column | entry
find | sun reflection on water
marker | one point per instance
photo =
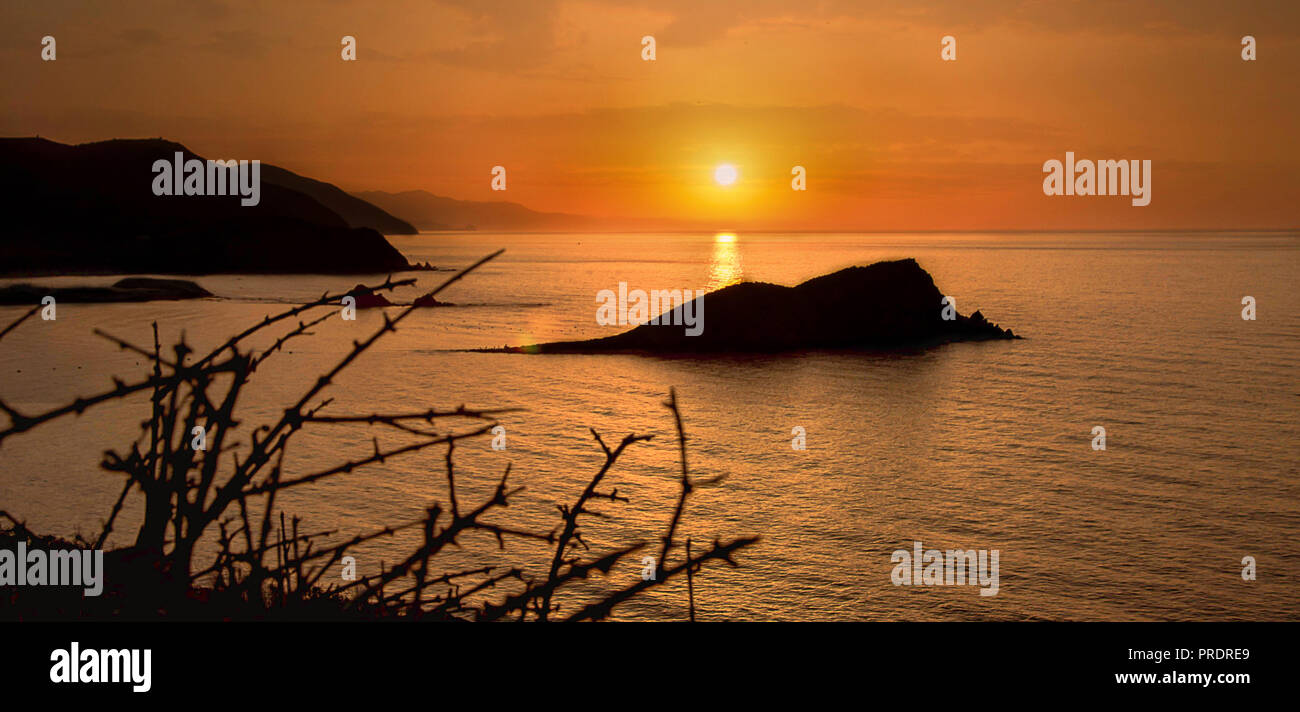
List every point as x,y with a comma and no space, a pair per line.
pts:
726,267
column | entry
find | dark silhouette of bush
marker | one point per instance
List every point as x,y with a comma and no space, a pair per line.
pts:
267,567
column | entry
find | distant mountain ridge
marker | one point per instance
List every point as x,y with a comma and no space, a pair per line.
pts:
89,208
356,211
434,212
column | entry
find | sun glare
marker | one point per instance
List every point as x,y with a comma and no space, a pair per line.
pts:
725,174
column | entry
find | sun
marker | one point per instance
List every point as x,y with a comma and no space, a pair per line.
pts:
725,174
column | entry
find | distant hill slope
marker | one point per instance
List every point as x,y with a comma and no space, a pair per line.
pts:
434,212
356,211
91,208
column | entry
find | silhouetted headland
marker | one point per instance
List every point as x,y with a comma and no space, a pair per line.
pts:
131,289
887,305
90,208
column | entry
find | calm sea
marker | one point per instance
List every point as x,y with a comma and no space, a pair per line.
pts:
965,446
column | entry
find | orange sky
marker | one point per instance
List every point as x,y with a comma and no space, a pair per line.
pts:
892,137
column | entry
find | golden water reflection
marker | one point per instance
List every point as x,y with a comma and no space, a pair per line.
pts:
726,266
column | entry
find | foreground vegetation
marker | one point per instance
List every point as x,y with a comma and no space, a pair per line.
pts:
267,566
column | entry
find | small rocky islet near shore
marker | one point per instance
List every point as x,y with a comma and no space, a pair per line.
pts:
367,298
131,289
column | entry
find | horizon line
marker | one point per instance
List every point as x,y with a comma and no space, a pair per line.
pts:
852,231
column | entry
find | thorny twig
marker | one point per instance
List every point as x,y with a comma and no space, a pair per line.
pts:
187,491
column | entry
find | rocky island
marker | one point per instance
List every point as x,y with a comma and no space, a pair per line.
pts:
887,305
